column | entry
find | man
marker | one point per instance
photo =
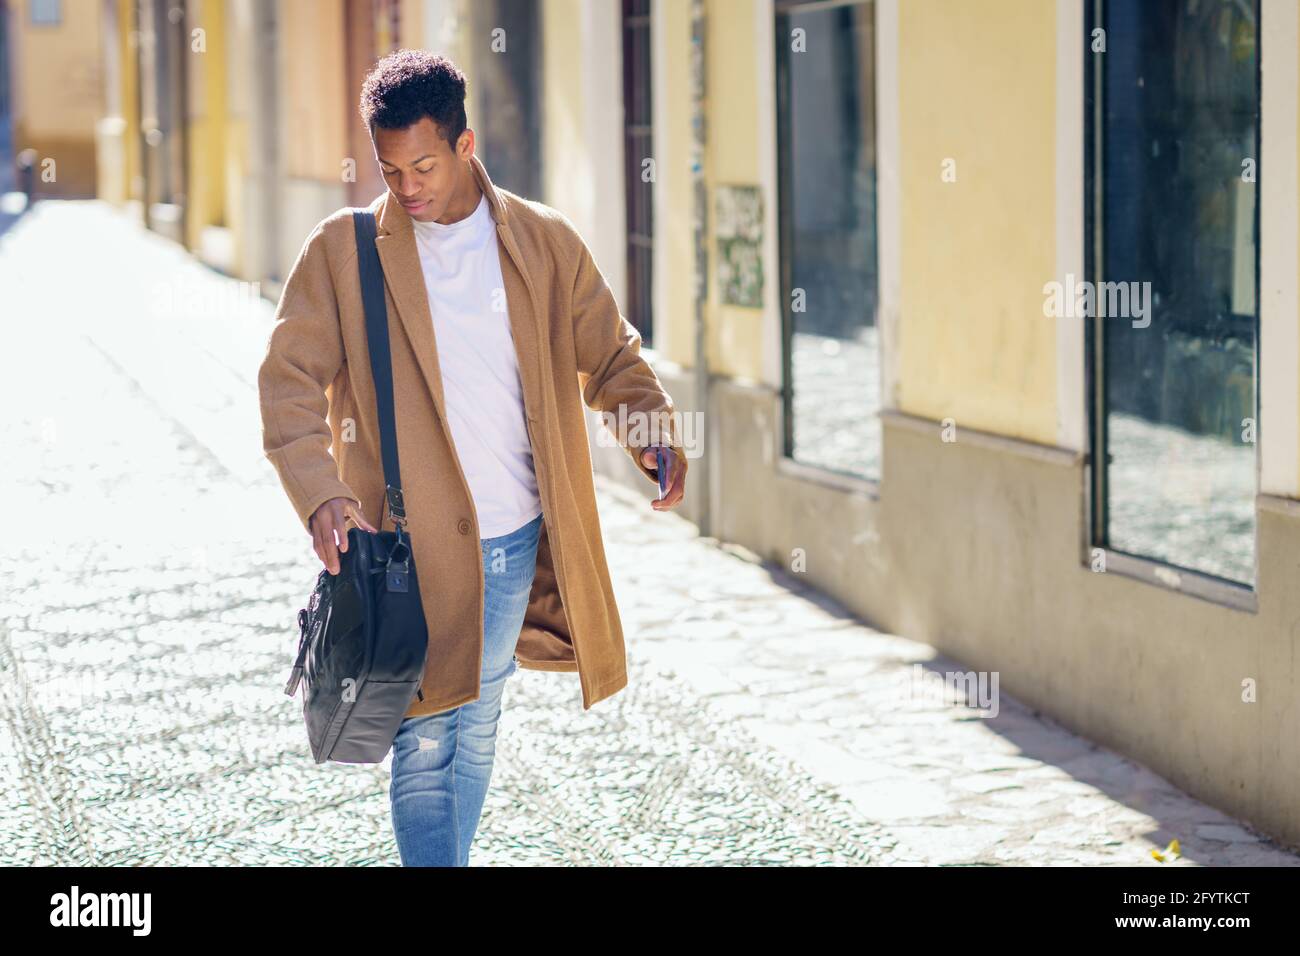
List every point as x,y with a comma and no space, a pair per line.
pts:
501,328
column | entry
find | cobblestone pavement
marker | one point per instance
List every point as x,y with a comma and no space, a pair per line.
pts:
152,569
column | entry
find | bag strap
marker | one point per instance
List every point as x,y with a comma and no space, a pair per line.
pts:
381,365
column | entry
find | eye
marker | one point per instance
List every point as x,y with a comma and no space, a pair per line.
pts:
427,170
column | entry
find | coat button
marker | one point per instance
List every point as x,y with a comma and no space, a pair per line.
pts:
464,526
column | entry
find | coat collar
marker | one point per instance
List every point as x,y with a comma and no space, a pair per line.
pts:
400,257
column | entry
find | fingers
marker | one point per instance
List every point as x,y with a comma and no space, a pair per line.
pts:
361,522
323,543
651,460
677,486
329,549
316,540
329,529
338,511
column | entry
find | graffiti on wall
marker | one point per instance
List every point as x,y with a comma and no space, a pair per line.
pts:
739,233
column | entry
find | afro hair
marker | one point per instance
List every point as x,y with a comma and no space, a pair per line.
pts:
408,85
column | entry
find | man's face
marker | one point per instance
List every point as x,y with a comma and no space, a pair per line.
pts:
421,171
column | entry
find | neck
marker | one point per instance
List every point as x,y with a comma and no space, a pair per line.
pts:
466,199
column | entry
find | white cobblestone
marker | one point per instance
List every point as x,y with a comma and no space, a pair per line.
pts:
149,581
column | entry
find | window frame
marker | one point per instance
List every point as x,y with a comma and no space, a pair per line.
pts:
1165,574
832,477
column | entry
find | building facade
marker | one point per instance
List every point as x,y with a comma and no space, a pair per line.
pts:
50,96
983,317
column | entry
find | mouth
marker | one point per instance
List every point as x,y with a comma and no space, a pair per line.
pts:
413,206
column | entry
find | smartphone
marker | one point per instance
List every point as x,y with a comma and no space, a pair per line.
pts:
662,459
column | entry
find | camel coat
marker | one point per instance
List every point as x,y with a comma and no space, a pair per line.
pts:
320,430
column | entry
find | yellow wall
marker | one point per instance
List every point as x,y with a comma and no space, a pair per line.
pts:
413,29
241,44
57,88
977,84
117,147
735,333
134,186
58,92
569,157
207,154
674,231
731,157
315,99
566,169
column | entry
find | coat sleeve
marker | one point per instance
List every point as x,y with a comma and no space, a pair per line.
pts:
612,373
304,355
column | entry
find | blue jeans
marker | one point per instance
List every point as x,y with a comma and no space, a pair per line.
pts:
442,762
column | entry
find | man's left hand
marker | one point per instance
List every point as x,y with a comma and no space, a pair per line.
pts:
676,480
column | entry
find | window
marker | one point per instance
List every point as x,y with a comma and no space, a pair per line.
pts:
1173,220
826,168
46,13
507,120
638,146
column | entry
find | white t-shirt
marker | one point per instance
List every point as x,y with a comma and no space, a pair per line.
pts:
480,370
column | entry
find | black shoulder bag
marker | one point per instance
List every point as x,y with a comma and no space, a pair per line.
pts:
363,636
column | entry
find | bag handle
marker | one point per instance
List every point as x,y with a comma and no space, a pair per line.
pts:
381,365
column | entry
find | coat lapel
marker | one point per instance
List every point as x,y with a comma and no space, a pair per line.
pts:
395,240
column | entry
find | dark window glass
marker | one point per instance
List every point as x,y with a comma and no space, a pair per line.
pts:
1173,154
638,146
827,182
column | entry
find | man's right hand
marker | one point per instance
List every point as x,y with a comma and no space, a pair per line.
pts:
329,531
